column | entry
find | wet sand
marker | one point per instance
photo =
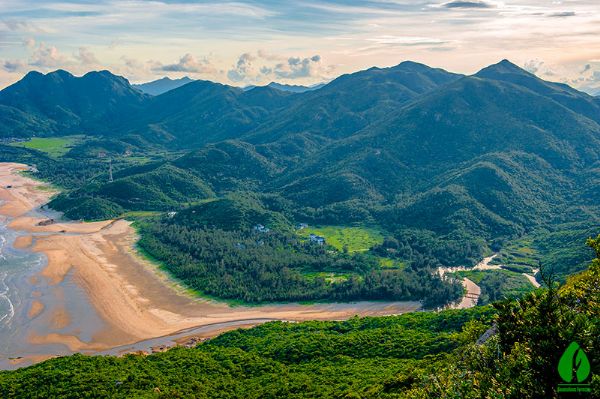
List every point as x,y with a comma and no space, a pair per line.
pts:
134,300
36,308
23,242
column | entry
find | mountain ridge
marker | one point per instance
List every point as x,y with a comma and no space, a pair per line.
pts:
162,85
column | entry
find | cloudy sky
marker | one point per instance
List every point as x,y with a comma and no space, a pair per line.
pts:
300,42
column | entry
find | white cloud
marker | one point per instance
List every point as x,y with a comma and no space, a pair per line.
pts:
86,57
561,14
244,69
259,68
299,68
187,63
533,66
29,42
48,57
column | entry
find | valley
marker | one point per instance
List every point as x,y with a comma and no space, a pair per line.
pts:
133,300
439,208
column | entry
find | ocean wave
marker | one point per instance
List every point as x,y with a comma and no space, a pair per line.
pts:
2,245
4,290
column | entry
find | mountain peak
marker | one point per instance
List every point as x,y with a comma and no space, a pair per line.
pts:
60,72
162,85
104,73
411,66
503,67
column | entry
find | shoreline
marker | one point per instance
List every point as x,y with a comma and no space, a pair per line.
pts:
134,299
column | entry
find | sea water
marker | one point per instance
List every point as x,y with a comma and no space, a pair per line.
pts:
20,285
16,267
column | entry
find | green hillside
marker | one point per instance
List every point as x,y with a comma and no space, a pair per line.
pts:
451,168
417,355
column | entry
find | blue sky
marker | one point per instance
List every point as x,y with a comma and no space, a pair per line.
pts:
254,42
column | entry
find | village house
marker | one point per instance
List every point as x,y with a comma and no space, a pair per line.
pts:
317,239
261,229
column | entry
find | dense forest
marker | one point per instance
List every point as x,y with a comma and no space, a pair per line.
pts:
510,349
447,168
261,267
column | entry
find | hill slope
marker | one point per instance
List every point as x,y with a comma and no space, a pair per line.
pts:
512,349
59,102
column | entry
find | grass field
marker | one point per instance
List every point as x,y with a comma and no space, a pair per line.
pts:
355,239
520,253
330,277
53,146
387,263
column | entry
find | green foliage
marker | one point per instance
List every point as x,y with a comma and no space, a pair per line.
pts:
162,187
522,360
234,212
87,208
53,146
59,103
255,266
416,355
498,284
350,239
369,357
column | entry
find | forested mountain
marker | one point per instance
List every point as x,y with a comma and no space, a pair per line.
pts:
447,167
202,112
60,103
351,102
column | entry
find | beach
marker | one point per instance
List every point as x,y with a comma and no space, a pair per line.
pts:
119,297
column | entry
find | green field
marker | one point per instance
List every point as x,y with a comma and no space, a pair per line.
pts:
520,253
387,263
53,146
355,239
330,277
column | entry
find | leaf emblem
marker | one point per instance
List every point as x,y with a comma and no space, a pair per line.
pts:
574,363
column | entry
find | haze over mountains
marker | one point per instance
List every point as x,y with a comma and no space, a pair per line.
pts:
163,85
417,150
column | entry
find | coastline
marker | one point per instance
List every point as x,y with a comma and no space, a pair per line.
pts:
134,299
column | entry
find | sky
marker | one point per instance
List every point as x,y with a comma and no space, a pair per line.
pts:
297,42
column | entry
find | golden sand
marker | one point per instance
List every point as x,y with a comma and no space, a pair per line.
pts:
134,301
23,242
36,308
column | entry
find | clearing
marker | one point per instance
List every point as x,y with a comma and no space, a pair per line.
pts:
53,146
355,239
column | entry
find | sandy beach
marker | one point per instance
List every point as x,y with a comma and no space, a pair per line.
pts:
135,301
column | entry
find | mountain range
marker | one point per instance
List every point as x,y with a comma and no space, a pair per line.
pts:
290,88
461,163
160,86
